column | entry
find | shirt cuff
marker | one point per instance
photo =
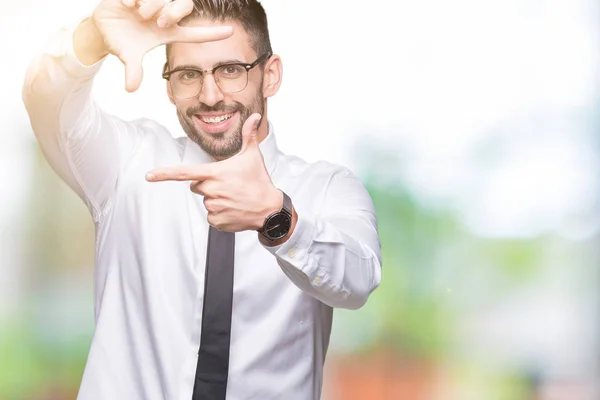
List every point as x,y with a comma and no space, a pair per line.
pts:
62,47
296,250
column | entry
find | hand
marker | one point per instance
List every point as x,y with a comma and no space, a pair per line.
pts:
238,192
129,31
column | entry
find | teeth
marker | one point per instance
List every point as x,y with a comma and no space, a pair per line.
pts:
216,120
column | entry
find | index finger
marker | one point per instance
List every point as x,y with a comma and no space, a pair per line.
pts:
181,173
198,34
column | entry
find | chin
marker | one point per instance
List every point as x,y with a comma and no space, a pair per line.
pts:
219,145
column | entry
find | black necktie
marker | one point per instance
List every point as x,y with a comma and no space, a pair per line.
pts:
213,356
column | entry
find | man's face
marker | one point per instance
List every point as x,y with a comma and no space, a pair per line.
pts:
214,118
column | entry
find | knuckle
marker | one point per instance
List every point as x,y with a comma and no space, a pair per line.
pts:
213,170
210,188
212,220
170,14
178,10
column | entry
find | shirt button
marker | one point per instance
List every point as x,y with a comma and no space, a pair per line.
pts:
317,280
291,253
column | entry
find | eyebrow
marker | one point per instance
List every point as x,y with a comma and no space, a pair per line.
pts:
219,64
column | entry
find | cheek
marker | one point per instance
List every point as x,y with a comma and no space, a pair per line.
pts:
183,106
254,88
251,95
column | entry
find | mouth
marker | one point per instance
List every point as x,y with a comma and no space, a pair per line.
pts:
214,123
215,119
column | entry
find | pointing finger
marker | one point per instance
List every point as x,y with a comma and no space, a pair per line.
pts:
173,12
199,34
182,173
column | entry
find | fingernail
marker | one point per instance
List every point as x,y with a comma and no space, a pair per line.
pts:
150,176
162,22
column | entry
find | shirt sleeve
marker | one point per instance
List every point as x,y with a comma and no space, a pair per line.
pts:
336,256
85,146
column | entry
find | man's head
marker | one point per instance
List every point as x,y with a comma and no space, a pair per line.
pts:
242,72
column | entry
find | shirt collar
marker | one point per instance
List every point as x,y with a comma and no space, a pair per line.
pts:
193,154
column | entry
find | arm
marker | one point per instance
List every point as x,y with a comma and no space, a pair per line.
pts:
335,256
84,145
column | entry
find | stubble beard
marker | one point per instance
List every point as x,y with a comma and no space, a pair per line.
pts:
224,144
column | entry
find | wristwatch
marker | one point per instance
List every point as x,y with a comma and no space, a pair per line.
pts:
278,224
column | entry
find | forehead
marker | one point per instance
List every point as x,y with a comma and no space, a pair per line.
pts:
207,54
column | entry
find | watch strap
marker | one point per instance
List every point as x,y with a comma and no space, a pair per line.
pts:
287,204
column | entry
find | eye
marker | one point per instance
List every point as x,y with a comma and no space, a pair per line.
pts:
188,75
231,71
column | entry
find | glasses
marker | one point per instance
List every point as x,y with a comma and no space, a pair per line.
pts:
186,81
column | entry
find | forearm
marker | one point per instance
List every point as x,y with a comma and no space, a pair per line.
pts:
58,83
78,139
330,265
333,251
88,43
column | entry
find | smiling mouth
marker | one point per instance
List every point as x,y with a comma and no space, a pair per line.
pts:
215,120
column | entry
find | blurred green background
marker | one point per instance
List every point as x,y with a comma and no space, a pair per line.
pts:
474,126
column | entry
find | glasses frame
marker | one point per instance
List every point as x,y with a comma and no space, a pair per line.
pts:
167,74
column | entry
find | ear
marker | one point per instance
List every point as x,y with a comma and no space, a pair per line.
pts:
170,93
273,76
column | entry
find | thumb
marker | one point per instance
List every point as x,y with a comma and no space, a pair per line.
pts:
250,132
133,71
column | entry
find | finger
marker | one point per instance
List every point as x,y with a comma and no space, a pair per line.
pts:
212,220
174,12
198,188
198,34
149,8
134,72
182,173
129,3
212,205
208,188
250,132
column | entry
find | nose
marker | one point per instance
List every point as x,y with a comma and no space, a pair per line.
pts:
210,94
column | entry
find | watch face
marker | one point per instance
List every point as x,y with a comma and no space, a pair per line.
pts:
278,226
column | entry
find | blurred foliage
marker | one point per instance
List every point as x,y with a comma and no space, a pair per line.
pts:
425,249
43,350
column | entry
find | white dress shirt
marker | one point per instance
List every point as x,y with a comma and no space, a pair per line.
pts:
151,249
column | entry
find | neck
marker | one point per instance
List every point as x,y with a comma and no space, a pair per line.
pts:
263,130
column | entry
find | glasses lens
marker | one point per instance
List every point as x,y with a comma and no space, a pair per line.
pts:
231,78
186,83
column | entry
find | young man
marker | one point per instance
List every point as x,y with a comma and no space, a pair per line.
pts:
219,259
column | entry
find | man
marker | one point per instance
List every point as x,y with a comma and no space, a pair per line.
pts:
301,237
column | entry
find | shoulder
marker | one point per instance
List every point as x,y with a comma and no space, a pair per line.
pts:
314,170
326,183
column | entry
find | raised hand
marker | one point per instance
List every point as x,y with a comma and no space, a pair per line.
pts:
131,28
238,192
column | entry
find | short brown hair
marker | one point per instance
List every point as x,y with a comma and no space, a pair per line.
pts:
248,13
